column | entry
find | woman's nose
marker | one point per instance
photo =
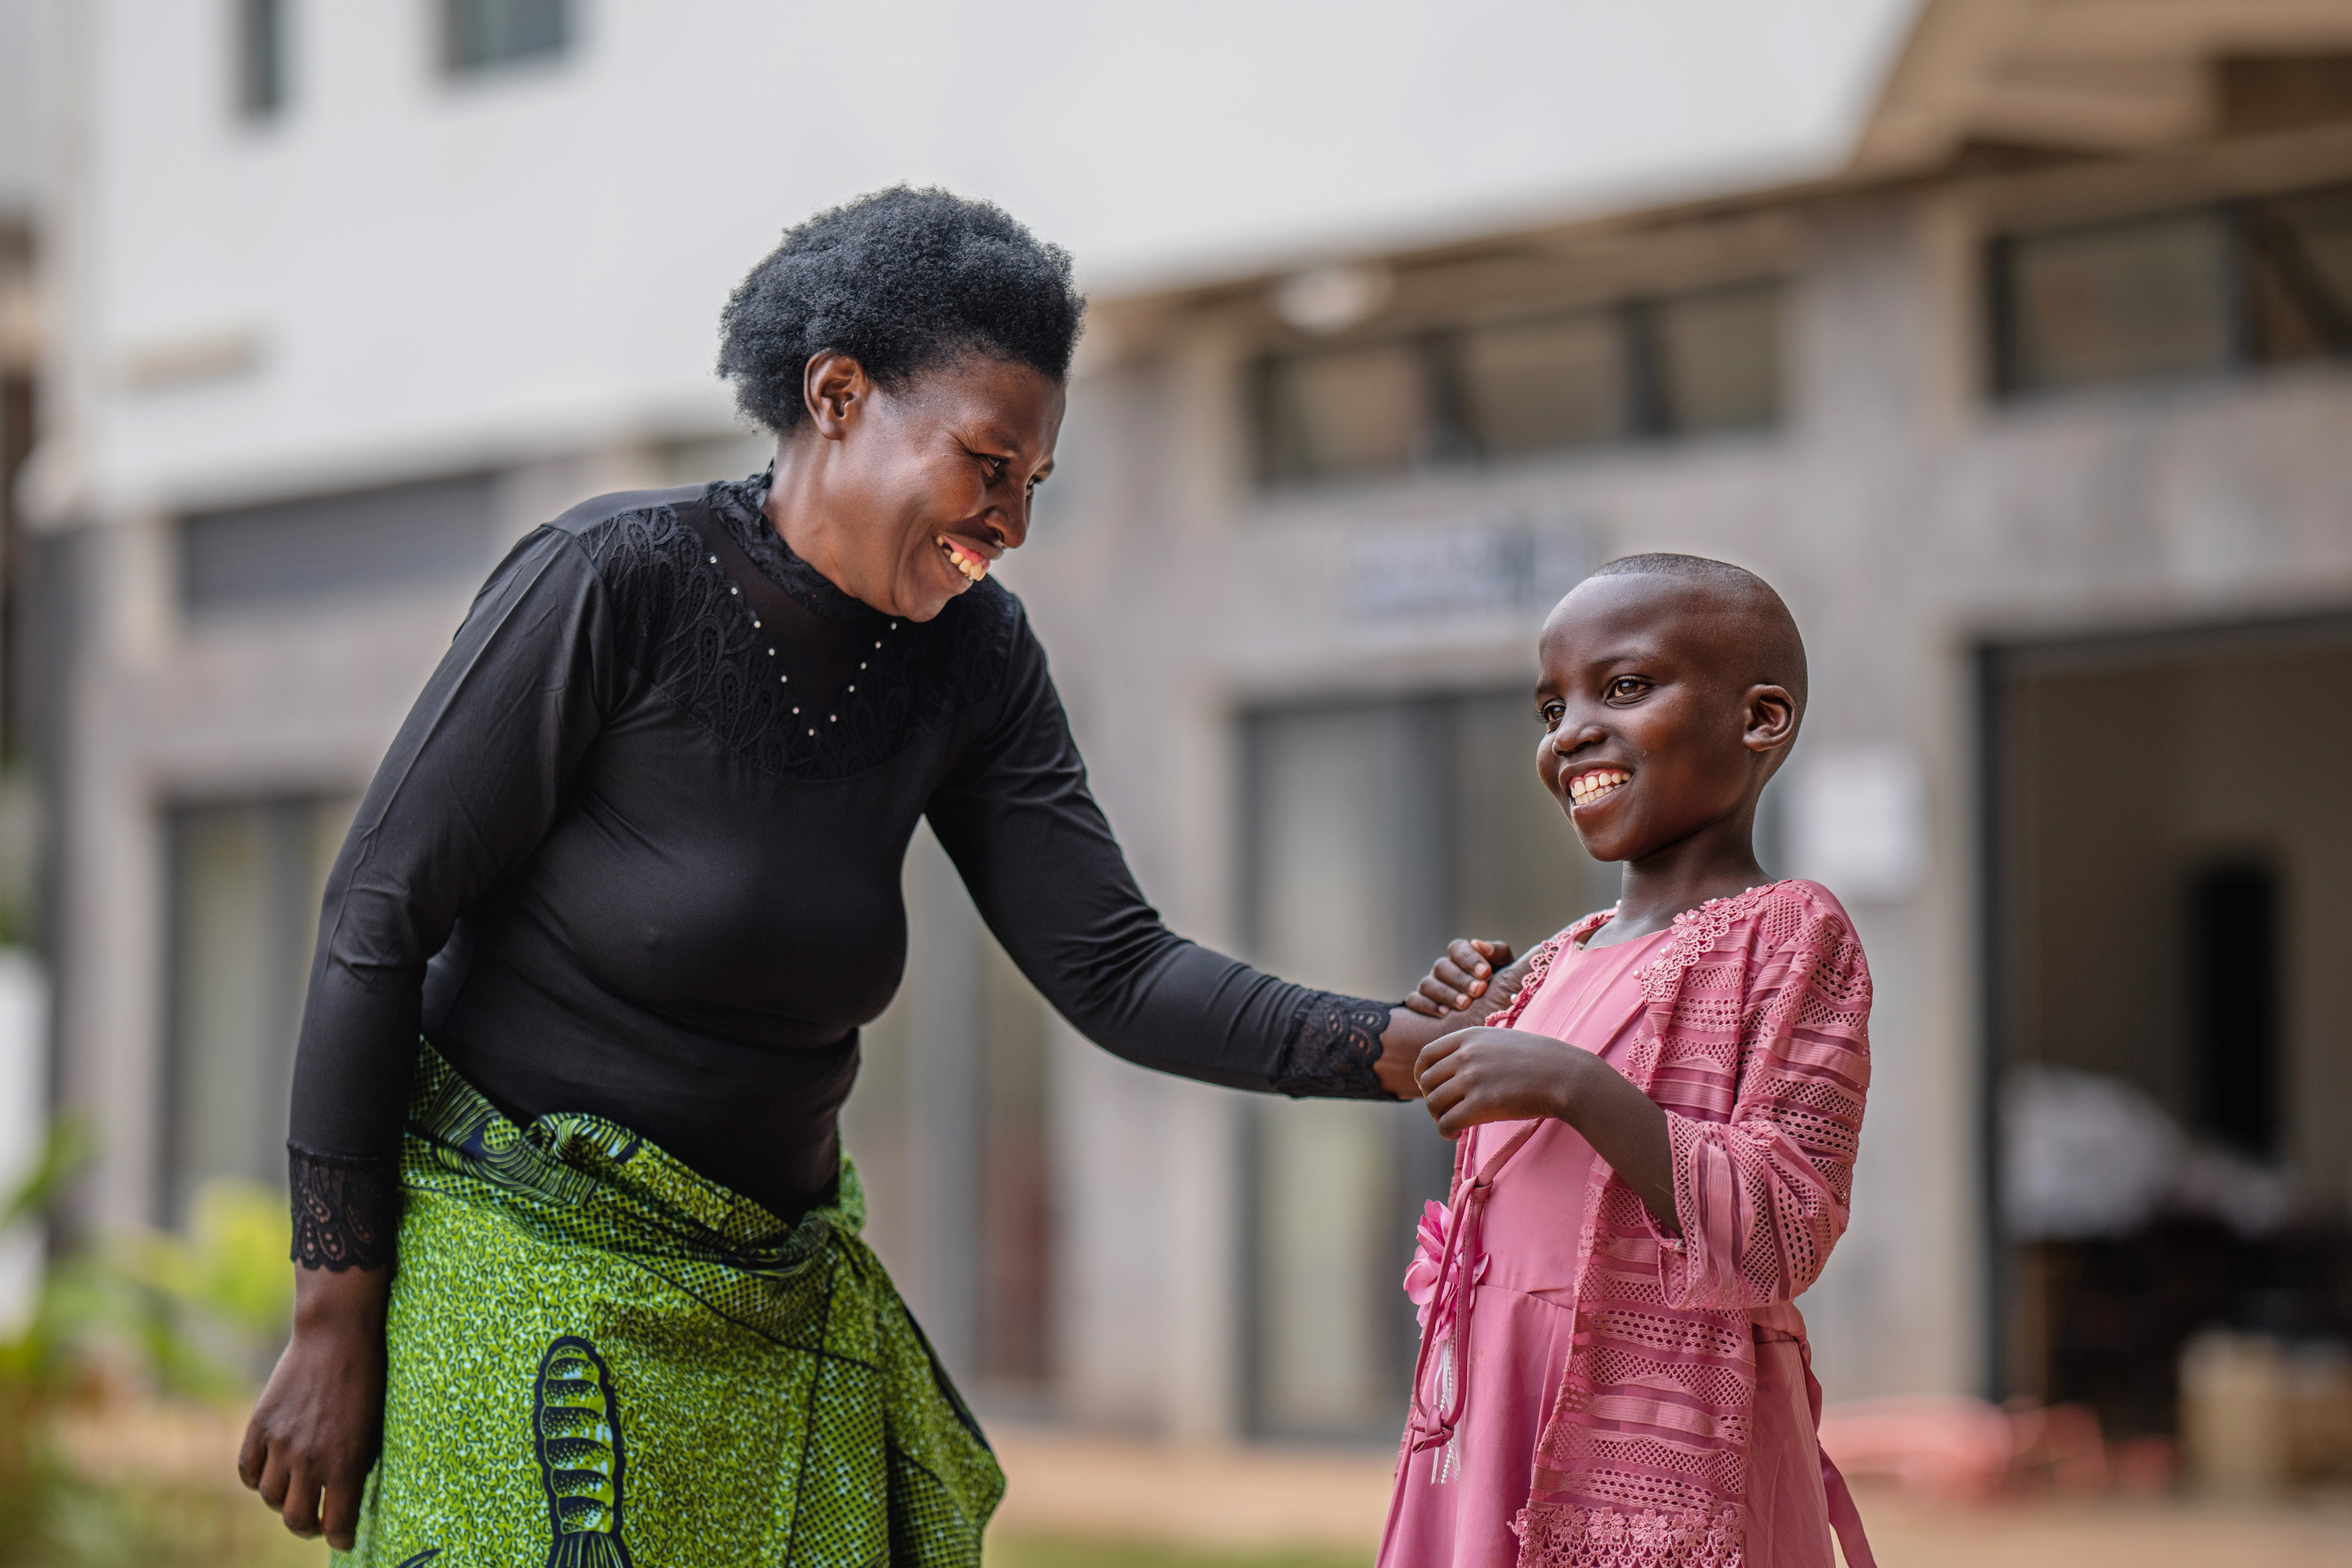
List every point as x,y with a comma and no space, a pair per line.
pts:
1010,524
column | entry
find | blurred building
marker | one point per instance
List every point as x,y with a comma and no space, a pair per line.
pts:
2028,387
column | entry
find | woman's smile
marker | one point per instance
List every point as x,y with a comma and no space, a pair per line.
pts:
967,559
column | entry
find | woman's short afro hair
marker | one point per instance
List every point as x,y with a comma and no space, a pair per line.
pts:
902,281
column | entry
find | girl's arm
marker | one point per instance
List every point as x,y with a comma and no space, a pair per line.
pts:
1763,1194
1507,1075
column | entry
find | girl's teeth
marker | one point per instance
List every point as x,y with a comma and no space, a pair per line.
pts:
1591,787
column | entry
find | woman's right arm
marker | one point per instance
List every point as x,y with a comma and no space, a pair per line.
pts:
469,786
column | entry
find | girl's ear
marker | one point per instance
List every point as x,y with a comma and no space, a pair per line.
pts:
1771,719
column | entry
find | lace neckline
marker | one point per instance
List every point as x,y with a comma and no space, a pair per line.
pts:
738,504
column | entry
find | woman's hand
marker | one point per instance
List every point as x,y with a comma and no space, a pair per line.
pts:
1475,1076
314,1435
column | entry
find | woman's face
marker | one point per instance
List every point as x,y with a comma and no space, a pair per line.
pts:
905,497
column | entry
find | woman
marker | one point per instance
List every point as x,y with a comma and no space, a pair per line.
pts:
631,870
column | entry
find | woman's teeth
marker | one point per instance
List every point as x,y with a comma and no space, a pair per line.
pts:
1586,788
971,562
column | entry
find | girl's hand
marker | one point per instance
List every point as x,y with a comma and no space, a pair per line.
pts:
1465,981
1475,1076
1478,1075
313,1436
1461,987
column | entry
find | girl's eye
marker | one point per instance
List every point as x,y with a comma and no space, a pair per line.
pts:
1626,688
1550,713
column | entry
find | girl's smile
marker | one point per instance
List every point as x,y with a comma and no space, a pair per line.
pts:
1587,787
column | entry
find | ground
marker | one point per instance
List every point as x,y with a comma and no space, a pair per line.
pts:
163,1492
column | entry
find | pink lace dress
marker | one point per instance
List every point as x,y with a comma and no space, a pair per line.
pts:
1475,1453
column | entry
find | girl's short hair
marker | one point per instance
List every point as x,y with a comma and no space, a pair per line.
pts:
903,281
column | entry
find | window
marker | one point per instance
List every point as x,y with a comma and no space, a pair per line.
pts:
1535,386
2119,301
2207,288
483,33
1376,831
2302,276
1720,359
1684,364
260,58
245,879
1344,411
287,552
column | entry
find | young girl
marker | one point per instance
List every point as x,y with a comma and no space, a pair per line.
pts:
1655,1137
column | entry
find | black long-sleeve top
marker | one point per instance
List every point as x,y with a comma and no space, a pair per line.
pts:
636,852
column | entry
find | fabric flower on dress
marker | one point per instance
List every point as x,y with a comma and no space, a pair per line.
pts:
1421,1273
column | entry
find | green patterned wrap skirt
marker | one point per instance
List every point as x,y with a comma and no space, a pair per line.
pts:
598,1357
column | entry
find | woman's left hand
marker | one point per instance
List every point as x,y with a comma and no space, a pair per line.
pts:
1473,1076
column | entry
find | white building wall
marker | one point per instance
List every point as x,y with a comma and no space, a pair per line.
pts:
403,272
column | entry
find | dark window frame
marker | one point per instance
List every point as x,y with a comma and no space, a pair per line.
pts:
1449,437
2258,244
421,535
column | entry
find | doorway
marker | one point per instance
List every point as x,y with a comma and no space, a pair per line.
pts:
2168,1087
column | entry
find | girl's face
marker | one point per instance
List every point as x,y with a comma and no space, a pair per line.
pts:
932,478
1650,734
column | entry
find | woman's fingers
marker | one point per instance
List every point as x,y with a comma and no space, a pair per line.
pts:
1497,953
277,1476
1429,1000
339,1521
252,1455
301,1509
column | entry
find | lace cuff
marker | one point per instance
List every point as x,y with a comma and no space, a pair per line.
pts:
346,1208
1331,1048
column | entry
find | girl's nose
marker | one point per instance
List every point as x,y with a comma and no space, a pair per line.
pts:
1571,739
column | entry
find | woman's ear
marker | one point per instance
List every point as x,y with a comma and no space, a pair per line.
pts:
1771,719
835,388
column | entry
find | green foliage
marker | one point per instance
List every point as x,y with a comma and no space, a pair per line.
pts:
33,1369
199,1313
207,1309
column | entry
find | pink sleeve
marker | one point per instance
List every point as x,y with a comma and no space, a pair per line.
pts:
1763,1196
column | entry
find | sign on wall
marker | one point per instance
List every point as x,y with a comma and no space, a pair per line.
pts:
1504,566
